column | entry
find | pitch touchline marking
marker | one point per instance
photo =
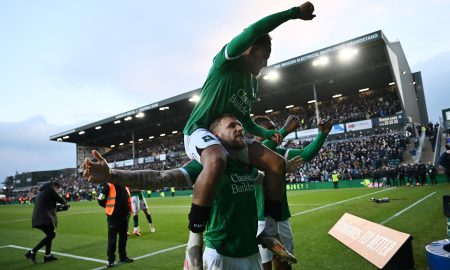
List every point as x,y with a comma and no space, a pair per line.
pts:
407,208
64,254
149,254
160,251
331,204
305,204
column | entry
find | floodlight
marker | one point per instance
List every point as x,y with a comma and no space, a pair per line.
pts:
66,137
113,145
151,137
141,139
140,115
289,106
131,142
269,111
322,61
121,143
312,101
174,132
195,99
337,95
128,118
392,83
117,122
81,132
162,135
272,75
98,127
347,53
363,90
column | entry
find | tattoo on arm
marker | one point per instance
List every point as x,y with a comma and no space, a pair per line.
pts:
149,179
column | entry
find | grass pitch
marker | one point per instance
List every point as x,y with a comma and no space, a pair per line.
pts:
81,236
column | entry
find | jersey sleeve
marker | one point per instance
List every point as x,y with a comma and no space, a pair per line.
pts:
251,127
310,151
191,170
244,40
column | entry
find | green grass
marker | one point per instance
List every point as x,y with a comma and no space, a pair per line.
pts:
82,231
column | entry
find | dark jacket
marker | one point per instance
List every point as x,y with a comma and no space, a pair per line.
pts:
444,160
44,212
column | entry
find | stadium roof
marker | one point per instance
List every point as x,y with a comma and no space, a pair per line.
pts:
367,66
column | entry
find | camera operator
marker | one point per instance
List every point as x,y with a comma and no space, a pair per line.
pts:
44,218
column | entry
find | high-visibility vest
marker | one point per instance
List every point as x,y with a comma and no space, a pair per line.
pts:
111,200
335,177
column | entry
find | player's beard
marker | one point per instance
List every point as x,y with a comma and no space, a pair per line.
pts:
238,143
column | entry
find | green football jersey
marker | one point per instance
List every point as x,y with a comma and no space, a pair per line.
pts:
229,86
308,153
259,193
233,224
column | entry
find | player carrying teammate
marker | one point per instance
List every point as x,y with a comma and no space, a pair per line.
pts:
231,87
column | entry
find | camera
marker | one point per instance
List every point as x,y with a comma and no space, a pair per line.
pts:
62,207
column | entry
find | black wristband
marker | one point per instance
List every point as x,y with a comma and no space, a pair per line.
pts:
198,217
272,209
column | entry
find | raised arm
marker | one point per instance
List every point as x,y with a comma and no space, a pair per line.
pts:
245,39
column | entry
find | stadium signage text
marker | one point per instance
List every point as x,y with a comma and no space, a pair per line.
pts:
376,243
328,50
133,112
359,125
386,121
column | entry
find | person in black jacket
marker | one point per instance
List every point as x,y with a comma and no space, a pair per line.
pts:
44,218
444,161
117,203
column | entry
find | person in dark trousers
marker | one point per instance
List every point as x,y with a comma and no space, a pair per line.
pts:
422,174
401,175
44,218
432,173
117,203
444,161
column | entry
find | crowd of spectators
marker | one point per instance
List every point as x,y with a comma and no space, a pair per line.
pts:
352,158
73,188
362,106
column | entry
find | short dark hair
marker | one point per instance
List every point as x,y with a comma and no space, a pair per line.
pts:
55,184
264,41
214,124
447,146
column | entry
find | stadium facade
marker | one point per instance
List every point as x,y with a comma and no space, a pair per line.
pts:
368,63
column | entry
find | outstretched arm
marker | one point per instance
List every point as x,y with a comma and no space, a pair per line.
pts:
310,151
243,41
251,127
99,172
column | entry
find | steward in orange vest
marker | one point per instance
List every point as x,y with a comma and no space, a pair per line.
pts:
117,202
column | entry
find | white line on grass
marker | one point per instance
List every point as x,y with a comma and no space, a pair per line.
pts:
149,254
160,251
305,203
64,255
407,208
339,202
